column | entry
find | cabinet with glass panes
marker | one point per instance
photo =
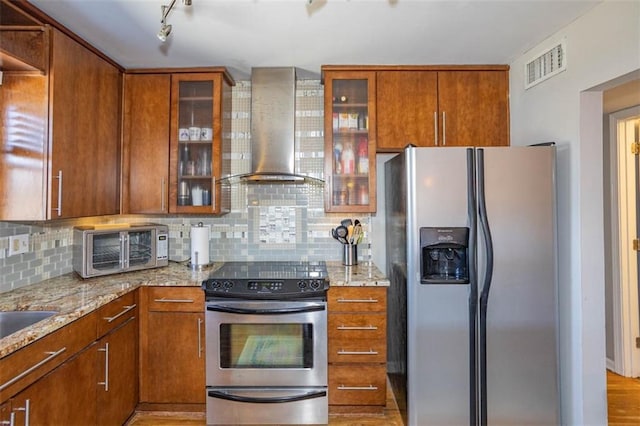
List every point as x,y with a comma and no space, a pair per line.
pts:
349,99
200,143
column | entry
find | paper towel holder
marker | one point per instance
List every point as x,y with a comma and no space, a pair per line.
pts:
194,264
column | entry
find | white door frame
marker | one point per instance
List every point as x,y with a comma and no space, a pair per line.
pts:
626,312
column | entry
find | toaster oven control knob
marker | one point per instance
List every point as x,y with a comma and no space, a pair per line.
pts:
302,285
227,284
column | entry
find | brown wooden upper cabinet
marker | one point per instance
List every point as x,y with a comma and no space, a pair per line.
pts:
177,143
146,122
462,106
350,141
60,136
24,40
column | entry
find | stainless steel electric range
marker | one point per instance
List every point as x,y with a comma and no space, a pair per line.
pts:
266,343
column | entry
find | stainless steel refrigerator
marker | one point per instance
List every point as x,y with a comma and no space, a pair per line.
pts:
471,255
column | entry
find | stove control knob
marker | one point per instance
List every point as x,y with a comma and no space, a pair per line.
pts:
227,284
315,284
302,284
214,284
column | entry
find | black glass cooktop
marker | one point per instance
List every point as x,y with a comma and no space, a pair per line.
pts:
268,280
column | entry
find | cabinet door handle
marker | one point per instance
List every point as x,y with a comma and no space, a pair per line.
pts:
366,327
163,300
435,125
369,300
126,309
213,192
32,368
106,367
199,338
444,128
27,411
368,388
369,352
59,208
123,252
162,202
11,421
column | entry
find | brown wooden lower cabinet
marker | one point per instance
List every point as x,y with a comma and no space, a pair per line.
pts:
363,384
82,374
172,348
65,396
117,372
357,349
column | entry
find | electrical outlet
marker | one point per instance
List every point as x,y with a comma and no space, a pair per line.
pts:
4,245
18,244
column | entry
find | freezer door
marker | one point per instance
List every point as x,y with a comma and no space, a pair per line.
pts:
521,371
438,348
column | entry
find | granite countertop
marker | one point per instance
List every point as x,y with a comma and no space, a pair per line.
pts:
73,297
362,274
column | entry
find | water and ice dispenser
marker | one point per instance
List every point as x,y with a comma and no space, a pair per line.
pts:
444,255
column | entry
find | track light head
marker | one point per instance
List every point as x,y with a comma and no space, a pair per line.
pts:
164,32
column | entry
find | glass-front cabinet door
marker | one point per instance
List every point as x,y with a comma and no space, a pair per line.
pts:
350,167
200,142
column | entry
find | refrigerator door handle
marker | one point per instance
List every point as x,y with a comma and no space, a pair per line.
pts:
473,285
486,286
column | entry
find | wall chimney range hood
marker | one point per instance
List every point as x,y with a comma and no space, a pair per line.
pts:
273,117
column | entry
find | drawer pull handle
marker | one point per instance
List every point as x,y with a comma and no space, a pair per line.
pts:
369,352
106,367
366,327
11,421
200,338
32,368
369,300
124,311
163,300
367,388
27,412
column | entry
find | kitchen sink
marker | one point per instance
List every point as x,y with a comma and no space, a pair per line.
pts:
12,321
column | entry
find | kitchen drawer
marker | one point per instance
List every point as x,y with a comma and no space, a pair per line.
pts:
357,384
175,299
357,326
357,350
28,364
115,313
357,299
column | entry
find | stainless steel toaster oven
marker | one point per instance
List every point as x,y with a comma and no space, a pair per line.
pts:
111,249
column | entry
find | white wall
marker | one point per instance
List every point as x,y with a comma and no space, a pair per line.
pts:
602,45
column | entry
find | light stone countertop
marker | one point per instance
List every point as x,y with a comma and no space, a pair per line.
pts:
362,274
73,297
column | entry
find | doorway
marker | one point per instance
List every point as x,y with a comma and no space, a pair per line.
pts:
623,354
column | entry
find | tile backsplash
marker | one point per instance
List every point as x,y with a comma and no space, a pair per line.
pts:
284,221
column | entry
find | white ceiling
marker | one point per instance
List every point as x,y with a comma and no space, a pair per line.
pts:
241,34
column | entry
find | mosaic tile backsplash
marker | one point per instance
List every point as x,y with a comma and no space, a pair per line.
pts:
267,221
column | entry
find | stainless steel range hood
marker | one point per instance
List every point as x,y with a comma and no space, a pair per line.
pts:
273,118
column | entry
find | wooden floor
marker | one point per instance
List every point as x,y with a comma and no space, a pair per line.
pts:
623,397
390,417
623,406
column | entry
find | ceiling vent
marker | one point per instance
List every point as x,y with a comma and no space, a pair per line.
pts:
546,65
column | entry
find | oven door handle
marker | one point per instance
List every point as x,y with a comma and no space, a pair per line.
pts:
279,311
271,400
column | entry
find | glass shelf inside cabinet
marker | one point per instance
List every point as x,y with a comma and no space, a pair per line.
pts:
350,142
195,142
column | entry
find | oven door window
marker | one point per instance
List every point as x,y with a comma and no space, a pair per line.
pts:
266,345
106,251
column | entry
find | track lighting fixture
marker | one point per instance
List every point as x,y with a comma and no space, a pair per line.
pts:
164,32
165,29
